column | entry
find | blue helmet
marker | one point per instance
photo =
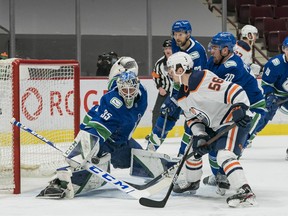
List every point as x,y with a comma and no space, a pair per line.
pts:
223,39
182,25
285,43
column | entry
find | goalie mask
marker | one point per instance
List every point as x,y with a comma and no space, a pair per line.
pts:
123,64
128,87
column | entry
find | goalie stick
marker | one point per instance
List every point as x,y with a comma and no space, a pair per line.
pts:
107,177
161,203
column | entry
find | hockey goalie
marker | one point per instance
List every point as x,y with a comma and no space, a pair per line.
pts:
105,135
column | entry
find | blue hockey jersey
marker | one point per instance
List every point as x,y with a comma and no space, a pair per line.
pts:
196,51
112,121
234,70
275,76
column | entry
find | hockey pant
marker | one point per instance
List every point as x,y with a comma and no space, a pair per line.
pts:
120,153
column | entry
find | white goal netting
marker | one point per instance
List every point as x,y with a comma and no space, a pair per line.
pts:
41,94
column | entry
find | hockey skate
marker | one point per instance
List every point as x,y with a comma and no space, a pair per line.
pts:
54,190
184,186
220,181
243,197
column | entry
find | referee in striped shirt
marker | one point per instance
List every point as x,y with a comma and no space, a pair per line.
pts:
162,80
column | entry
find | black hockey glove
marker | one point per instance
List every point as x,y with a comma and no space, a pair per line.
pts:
239,115
198,145
271,103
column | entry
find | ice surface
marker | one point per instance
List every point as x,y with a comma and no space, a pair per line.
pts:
264,166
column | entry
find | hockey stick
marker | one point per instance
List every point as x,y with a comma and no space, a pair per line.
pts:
279,102
164,125
160,204
107,177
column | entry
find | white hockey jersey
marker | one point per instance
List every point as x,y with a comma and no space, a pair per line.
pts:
209,99
244,50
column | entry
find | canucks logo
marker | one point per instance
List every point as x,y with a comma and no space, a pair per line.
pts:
116,102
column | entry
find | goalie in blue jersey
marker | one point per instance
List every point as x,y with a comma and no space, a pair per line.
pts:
105,136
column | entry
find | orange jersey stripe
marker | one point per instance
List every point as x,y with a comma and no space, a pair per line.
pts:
231,92
228,118
231,138
230,165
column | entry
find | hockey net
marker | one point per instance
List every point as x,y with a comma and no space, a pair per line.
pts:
43,95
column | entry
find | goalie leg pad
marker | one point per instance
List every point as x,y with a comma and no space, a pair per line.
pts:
150,164
80,149
66,184
83,181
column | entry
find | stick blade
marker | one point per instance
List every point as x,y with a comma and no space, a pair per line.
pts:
152,203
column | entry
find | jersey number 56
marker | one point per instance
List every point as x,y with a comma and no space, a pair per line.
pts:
215,84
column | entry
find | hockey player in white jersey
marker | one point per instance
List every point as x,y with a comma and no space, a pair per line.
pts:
243,48
210,104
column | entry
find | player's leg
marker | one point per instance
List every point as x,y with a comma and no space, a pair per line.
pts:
72,179
228,150
218,177
284,109
170,113
68,181
157,108
185,140
193,170
121,152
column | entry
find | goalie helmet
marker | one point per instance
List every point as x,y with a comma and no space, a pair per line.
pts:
250,32
123,64
285,44
180,59
128,87
182,25
222,40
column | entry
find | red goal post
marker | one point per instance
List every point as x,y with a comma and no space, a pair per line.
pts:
45,96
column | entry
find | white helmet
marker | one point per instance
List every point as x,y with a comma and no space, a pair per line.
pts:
123,64
180,59
250,32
